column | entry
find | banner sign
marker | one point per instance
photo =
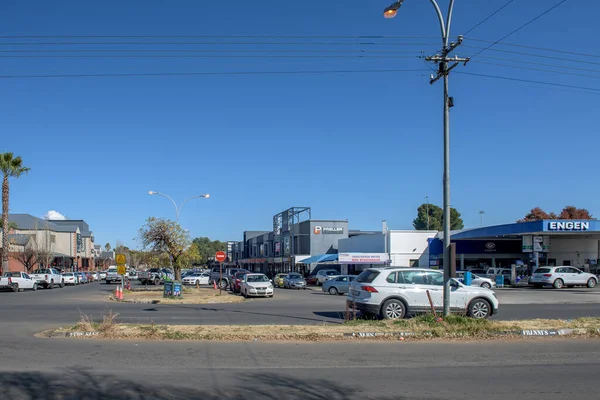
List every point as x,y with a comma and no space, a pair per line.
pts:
362,258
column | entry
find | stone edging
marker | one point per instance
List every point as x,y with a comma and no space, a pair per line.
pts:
134,301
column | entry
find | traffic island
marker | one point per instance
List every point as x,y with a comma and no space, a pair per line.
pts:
419,328
189,295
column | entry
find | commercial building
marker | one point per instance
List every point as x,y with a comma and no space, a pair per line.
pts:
64,244
528,244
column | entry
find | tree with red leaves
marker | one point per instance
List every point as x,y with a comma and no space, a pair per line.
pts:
569,212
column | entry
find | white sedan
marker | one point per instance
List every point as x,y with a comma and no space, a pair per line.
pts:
476,280
71,278
197,278
256,285
558,277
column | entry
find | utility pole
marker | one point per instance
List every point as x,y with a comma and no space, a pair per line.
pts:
481,216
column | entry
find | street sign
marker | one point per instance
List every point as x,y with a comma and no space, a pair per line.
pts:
121,259
220,256
121,269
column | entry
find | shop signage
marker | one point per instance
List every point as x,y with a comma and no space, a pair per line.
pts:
568,226
328,230
362,258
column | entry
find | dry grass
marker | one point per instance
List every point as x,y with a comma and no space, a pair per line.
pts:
87,324
189,296
423,327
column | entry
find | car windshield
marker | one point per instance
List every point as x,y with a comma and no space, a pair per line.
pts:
257,278
42,271
13,274
294,276
367,276
331,273
543,270
68,274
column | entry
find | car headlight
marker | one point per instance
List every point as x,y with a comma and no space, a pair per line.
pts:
270,287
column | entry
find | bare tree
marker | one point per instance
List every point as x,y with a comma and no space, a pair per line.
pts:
45,253
29,256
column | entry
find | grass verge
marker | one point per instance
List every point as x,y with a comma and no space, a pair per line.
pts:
421,327
189,295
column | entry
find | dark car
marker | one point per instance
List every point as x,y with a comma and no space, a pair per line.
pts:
237,281
311,280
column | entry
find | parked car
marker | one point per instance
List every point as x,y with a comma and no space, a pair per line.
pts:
224,281
70,278
17,281
196,278
102,275
397,292
326,274
256,285
478,271
83,278
236,281
91,277
476,280
311,280
294,281
278,280
112,275
48,278
558,277
155,276
339,284
132,274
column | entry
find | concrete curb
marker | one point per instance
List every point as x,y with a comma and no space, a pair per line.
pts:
134,301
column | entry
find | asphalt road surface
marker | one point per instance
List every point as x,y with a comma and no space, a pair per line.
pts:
48,308
52,369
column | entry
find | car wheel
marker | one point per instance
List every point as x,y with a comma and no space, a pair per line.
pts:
393,309
244,295
333,290
156,282
558,284
223,284
15,287
34,287
486,285
62,284
51,285
591,283
197,282
479,309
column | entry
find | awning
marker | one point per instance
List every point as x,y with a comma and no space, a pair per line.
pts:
321,258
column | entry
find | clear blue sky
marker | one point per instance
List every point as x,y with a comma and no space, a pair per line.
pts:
361,146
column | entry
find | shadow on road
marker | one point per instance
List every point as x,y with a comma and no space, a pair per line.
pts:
83,385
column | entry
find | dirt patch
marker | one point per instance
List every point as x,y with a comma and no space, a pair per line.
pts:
188,296
420,328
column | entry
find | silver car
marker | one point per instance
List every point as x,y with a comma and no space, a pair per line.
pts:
476,280
558,277
294,281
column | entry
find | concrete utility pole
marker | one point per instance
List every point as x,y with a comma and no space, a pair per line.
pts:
444,69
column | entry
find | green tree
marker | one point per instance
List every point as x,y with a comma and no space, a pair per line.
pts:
164,236
11,167
207,248
435,222
107,247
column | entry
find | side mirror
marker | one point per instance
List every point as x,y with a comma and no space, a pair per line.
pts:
454,283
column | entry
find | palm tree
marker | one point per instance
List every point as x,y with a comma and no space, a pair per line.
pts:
11,167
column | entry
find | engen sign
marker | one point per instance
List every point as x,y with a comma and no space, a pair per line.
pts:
568,226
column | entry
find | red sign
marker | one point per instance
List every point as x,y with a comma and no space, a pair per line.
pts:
220,256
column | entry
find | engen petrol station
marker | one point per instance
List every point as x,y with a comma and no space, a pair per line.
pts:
526,245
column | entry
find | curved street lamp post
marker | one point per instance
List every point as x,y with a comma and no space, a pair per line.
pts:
442,60
178,208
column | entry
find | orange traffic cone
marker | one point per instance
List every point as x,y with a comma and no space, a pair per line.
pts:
215,285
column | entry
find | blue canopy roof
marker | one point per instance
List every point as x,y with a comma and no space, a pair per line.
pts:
320,259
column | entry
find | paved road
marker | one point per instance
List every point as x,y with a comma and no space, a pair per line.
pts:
34,311
549,369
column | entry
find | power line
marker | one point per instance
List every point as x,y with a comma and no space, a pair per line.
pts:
538,69
136,74
217,43
361,51
520,27
538,63
536,55
539,48
213,37
489,16
210,56
508,78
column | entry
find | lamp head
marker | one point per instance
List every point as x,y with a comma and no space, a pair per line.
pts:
206,196
151,192
392,10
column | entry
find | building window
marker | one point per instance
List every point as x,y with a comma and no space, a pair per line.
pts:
413,263
566,262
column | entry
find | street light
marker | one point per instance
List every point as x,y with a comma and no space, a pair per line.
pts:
392,11
442,59
178,209
481,216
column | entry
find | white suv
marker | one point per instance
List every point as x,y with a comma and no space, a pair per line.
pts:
558,277
397,292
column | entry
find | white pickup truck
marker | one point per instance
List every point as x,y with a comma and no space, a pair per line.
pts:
17,281
48,278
